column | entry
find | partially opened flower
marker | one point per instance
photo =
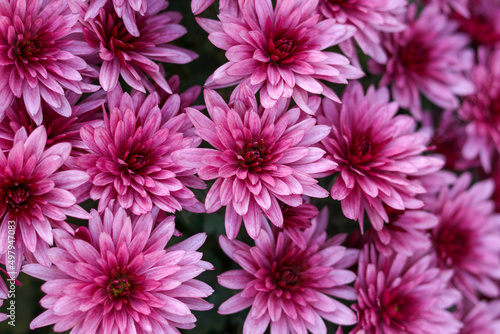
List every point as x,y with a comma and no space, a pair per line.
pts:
467,237
260,156
288,288
370,18
36,195
279,50
130,157
296,220
119,277
481,110
398,294
429,57
376,152
133,57
40,56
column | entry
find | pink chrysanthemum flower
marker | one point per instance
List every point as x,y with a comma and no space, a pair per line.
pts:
370,18
398,294
126,10
121,279
296,220
376,150
481,318
482,25
279,50
405,232
289,288
430,57
130,158
133,58
60,129
36,195
260,156
481,110
467,238
39,56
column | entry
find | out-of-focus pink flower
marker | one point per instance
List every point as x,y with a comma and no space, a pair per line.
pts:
39,56
482,25
289,288
260,156
369,18
118,277
279,50
481,110
405,232
376,150
428,57
60,129
461,7
36,195
467,238
481,317
133,58
398,294
130,158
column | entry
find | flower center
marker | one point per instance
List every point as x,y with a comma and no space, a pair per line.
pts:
26,48
133,162
120,283
283,45
397,309
361,150
453,245
17,196
255,155
286,276
414,56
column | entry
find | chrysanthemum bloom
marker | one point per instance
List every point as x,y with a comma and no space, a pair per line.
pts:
461,7
60,129
133,58
482,25
121,279
405,232
260,156
428,57
130,158
481,317
398,294
35,194
296,220
289,288
126,10
38,57
481,110
279,51
467,237
370,18
376,150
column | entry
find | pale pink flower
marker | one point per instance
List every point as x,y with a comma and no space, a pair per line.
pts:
279,50
376,152
370,18
288,288
133,58
398,294
40,56
130,158
120,278
428,57
36,195
481,110
467,237
260,156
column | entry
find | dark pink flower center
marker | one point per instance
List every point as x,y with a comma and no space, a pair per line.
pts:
255,155
122,283
134,161
25,48
284,45
396,309
453,245
361,150
286,273
414,56
17,197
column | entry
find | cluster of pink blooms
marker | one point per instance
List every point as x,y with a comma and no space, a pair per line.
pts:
357,141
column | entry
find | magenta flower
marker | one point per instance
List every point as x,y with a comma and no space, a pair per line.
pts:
398,294
60,129
120,278
376,150
482,25
481,110
260,156
406,232
296,220
130,158
289,288
36,195
429,57
126,10
133,58
39,56
481,317
370,18
467,238
279,50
